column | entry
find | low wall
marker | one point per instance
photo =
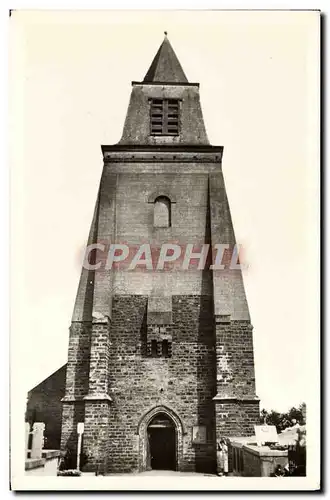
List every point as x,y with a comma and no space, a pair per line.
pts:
261,461
45,466
250,460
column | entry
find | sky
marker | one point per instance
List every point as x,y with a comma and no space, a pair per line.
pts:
70,82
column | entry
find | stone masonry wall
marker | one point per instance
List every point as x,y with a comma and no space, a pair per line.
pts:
184,383
77,373
235,361
96,442
73,412
99,360
236,418
237,408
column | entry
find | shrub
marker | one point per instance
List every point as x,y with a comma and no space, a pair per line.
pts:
69,473
69,459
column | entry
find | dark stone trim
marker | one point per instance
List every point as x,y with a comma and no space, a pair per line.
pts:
234,399
222,318
160,160
83,321
184,148
72,399
105,320
98,397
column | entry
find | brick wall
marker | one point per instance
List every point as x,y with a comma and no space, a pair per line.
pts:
184,383
236,418
234,346
77,382
96,436
99,360
96,441
73,412
237,409
78,360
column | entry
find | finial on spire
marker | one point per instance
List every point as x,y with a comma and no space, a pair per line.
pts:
165,33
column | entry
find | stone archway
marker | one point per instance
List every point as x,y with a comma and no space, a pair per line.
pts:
142,432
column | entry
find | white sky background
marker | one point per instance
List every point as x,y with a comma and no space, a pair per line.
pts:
70,82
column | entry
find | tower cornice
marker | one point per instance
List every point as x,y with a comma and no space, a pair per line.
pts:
162,154
184,148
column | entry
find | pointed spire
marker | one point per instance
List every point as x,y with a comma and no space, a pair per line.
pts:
165,67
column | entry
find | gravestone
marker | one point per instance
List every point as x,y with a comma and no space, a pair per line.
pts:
38,439
266,434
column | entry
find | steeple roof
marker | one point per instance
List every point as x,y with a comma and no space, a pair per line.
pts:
165,67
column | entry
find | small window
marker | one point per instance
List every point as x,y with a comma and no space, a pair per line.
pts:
165,348
164,117
159,348
154,348
162,212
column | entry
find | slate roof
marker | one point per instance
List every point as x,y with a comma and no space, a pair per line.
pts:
166,66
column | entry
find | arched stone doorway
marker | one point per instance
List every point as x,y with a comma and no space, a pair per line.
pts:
160,440
161,443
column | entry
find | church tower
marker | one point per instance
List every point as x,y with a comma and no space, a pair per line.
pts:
160,360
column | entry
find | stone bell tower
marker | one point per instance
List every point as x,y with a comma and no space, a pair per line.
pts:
160,359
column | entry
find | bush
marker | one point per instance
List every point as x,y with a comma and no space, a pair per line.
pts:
284,420
69,460
69,473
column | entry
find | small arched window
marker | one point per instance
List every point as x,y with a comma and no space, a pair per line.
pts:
162,212
154,348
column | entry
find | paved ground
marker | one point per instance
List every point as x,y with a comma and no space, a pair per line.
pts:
158,473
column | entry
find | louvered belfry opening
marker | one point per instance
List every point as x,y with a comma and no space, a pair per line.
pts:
164,115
